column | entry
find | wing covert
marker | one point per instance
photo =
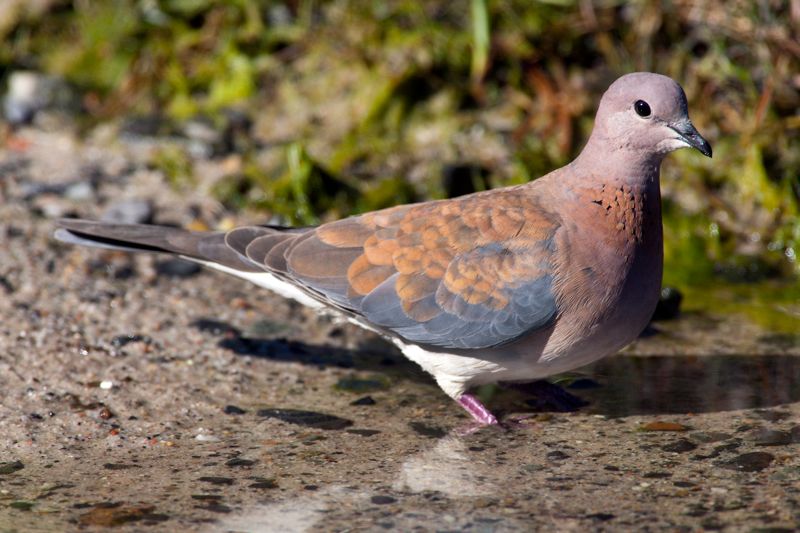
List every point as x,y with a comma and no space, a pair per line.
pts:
468,273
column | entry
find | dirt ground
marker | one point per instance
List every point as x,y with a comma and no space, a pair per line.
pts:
143,395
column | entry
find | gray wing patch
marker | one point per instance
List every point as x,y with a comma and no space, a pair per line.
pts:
532,306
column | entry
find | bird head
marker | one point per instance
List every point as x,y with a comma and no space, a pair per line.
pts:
647,113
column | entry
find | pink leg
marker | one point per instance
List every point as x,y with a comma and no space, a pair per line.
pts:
474,407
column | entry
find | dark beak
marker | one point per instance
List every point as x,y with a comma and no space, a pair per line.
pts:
688,133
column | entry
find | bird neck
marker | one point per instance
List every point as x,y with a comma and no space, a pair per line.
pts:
618,163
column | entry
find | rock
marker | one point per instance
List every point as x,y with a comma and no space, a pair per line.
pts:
114,514
280,15
680,446
710,436
748,462
663,426
263,483
772,416
30,92
177,268
382,500
21,505
432,432
204,138
119,466
145,126
657,475
122,340
215,507
237,134
129,211
363,432
364,400
79,191
10,467
51,206
215,327
771,437
216,480
557,455
238,461
601,517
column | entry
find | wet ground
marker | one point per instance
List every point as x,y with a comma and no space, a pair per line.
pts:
142,395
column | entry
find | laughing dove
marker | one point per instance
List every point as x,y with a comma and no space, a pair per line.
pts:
511,284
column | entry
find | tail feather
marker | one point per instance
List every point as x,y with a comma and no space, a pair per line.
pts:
200,246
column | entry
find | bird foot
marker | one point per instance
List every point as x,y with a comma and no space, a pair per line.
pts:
477,410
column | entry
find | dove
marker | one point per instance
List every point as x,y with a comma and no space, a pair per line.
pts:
511,284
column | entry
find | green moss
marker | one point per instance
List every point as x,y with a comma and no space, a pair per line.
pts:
774,305
175,164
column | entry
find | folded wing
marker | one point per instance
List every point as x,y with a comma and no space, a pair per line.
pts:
468,273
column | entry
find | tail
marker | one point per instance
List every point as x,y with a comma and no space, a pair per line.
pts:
200,246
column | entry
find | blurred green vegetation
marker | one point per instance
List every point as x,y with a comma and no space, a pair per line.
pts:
363,104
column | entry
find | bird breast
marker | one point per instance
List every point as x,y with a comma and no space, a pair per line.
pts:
608,271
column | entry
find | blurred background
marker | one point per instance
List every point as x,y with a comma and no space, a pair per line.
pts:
317,110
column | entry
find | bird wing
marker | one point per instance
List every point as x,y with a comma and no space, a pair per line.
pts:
467,273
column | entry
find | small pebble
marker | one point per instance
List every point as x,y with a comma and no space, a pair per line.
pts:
748,462
680,446
21,505
363,432
771,437
602,517
238,461
129,211
216,480
10,467
30,92
663,426
80,191
557,455
264,484
710,436
426,430
177,268
772,416
364,400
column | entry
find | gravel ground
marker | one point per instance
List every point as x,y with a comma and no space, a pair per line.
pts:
142,394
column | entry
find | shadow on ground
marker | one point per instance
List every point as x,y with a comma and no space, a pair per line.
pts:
616,386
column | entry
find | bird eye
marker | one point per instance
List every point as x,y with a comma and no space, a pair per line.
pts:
642,108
